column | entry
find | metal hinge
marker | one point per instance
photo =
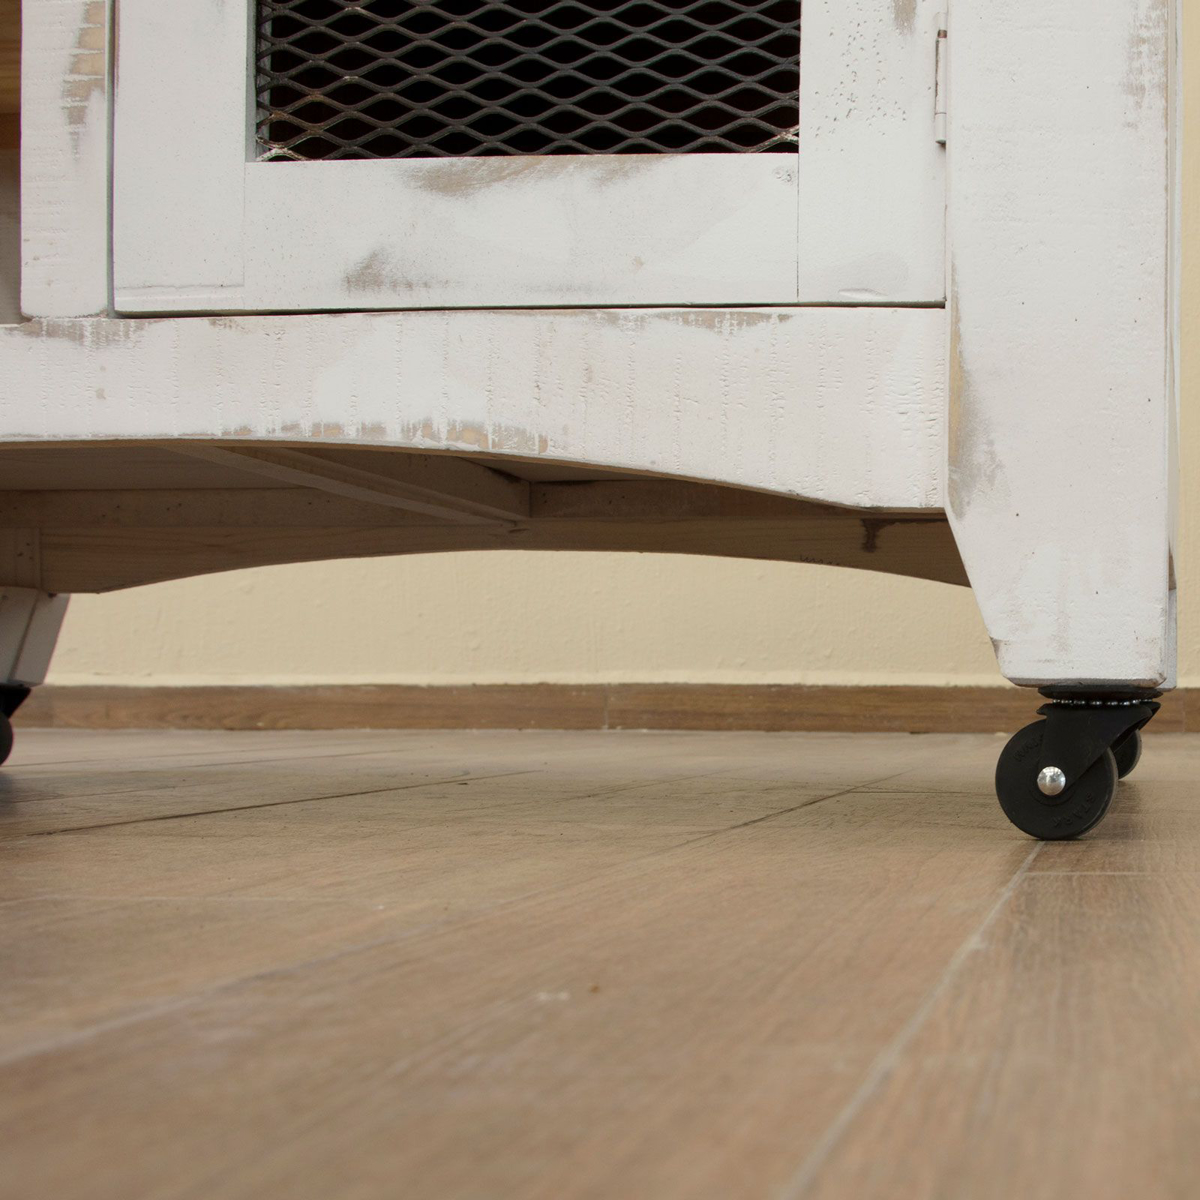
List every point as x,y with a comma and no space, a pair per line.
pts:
939,87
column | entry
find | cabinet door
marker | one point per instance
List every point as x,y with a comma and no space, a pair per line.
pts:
303,155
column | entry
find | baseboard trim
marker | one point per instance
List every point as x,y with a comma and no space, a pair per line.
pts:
703,706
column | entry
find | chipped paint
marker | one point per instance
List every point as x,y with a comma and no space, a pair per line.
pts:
1145,80
88,73
455,179
904,15
381,273
783,401
498,439
975,471
714,320
374,273
89,332
64,149
320,431
464,179
1059,389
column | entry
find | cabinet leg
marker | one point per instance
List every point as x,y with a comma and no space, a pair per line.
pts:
29,625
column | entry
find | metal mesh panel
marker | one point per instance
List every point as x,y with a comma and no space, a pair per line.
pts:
427,78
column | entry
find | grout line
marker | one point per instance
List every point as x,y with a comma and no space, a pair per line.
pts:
888,1058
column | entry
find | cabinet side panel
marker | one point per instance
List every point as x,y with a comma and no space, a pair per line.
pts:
65,158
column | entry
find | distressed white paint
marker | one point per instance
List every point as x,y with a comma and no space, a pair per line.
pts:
857,216
1061,366
839,404
1062,387
571,229
872,175
64,157
179,143
29,625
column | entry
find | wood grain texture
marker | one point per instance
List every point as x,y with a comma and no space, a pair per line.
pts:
841,405
1063,412
779,707
858,219
20,557
450,488
41,637
866,116
10,229
1081,971
29,626
10,57
65,158
142,504
585,965
116,515
98,560
432,232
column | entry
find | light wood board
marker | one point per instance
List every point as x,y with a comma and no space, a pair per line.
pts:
587,965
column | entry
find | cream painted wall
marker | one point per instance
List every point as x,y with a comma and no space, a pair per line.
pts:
520,617
512,617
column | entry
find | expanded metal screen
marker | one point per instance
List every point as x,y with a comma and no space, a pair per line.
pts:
429,78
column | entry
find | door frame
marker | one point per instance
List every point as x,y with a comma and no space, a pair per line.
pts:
200,225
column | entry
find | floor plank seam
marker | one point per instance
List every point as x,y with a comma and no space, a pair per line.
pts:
182,897
237,808
64,796
148,765
164,1007
888,1058
436,927
649,783
1173,873
783,812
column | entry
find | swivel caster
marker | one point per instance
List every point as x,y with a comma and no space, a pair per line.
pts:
1128,752
1057,777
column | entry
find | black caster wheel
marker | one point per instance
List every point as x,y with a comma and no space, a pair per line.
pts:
1127,751
1075,810
6,737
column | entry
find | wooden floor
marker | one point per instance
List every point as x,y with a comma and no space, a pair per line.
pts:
492,965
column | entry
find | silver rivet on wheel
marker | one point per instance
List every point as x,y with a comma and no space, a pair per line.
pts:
1051,781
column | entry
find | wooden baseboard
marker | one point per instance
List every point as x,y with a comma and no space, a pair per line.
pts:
766,707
